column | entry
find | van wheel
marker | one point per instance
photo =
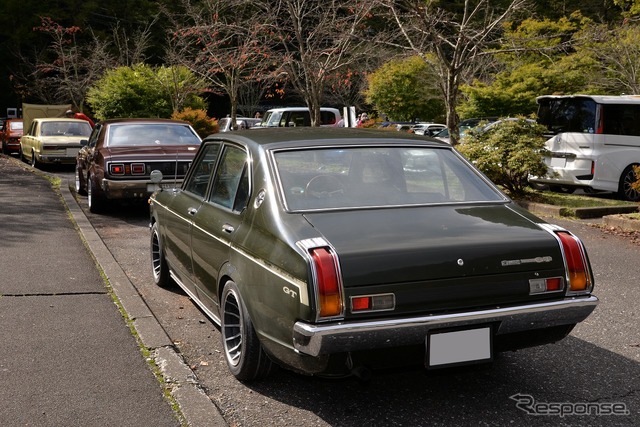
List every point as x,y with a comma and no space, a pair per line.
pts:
625,190
245,357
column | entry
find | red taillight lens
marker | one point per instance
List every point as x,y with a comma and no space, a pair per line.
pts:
116,169
137,168
329,289
360,303
578,270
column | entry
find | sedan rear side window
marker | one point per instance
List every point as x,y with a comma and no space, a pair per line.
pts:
231,179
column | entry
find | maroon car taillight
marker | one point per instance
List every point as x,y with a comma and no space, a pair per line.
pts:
578,272
116,169
137,169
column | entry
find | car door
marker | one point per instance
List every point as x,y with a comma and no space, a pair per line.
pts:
216,221
182,211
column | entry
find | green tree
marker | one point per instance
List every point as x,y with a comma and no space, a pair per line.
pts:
405,89
538,58
458,33
138,91
507,153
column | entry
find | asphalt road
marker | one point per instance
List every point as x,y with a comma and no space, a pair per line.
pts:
590,378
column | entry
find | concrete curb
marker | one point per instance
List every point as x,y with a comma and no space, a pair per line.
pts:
622,223
196,407
581,213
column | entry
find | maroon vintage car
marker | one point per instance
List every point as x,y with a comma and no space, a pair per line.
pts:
10,136
117,160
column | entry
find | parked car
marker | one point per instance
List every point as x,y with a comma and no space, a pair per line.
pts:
115,163
427,129
340,250
464,127
10,136
224,124
298,116
53,140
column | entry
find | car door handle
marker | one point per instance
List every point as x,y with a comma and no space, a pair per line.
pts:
228,228
192,211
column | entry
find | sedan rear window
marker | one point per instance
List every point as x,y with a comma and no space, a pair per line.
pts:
331,178
151,134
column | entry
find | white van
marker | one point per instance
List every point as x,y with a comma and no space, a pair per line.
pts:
594,142
299,116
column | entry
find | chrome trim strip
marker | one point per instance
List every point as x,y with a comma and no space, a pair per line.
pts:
195,299
315,340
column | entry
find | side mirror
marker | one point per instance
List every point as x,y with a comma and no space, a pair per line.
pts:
84,142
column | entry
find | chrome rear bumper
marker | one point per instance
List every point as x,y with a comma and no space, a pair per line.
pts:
332,338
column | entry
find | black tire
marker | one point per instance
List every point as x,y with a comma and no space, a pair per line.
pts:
159,265
81,187
625,191
4,148
94,199
245,357
34,161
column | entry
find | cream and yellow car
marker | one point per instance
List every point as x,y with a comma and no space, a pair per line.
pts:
53,140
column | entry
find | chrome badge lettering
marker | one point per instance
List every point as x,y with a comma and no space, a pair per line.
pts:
289,292
537,260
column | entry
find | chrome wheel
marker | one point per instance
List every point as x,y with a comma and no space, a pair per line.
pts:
158,262
232,332
245,357
625,189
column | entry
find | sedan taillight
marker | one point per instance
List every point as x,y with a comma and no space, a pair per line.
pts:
328,283
578,272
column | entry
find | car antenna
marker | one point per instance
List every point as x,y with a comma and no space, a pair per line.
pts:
175,175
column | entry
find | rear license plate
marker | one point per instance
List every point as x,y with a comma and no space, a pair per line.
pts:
459,347
168,186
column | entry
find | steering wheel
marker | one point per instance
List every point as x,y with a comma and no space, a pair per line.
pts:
324,186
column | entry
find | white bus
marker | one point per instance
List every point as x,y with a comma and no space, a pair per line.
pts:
594,142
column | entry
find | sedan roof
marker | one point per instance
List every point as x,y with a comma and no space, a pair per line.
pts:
322,135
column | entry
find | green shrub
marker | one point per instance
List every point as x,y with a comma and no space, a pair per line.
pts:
202,124
507,153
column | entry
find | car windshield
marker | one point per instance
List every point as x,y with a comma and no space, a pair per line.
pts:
146,134
15,125
272,118
65,128
357,177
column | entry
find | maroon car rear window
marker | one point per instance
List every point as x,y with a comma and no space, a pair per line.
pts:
151,134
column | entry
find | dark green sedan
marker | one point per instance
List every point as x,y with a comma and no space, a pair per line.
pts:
338,251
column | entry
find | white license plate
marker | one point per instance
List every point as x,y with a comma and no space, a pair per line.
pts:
558,162
459,347
72,152
168,186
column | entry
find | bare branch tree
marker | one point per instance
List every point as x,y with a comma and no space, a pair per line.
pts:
224,43
457,38
69,66
317,40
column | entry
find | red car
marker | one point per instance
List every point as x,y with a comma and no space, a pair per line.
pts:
10,136
117,160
